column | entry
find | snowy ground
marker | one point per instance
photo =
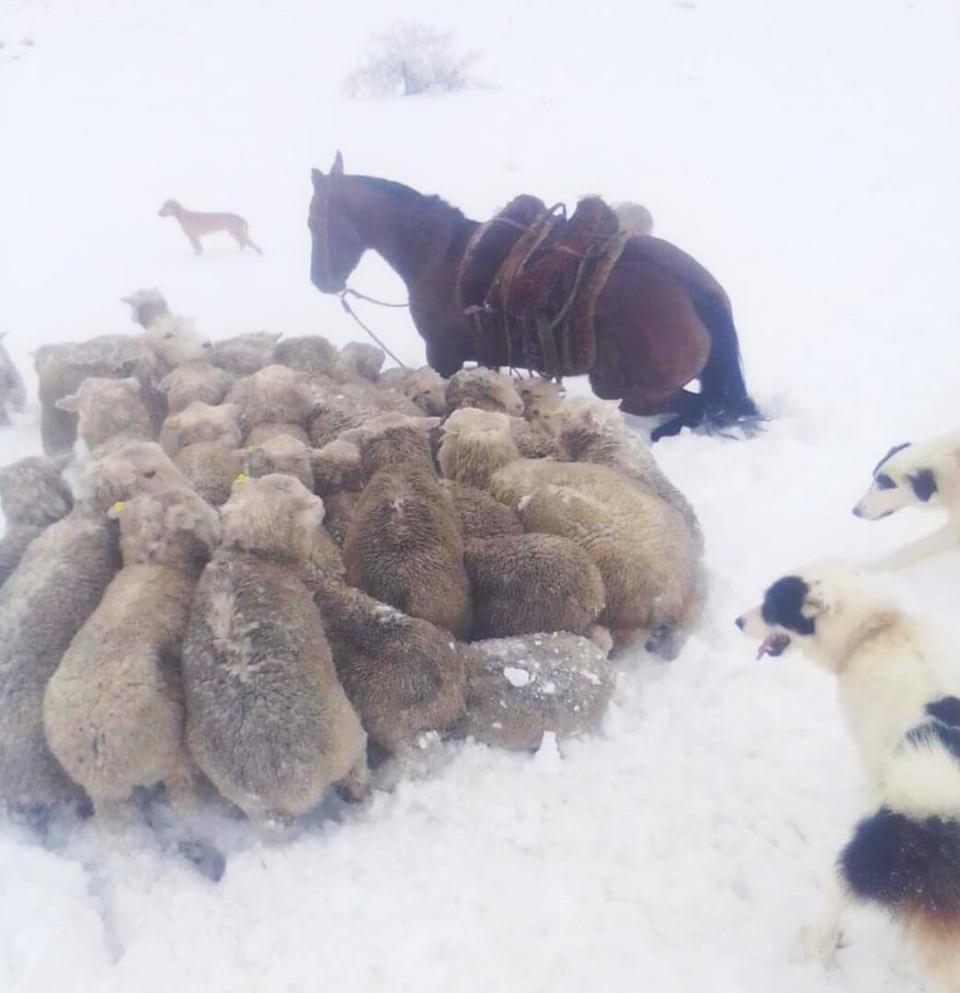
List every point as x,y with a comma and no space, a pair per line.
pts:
804,152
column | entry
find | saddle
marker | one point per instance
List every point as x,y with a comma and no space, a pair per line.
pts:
530,280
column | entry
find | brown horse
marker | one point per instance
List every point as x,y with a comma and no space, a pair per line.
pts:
661,319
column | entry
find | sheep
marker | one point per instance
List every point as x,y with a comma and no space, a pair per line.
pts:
540,397
484,389
591,430
53,591
340,510
109,409
361,361
646,550
198,380
532,440
369,396
272,396
281,454
146,306
392,440
267,719
261,433
13,395
527,583
113,711
244,354
403,675
335,414
404,544
173,340
203,441
336,467
62,368
520,688
480,515
475,444
424,387
311,355
202,422
33,495
634,218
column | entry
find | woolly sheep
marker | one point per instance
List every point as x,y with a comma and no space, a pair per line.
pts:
113,711
244,354
480,515
108,409
261,433
359,360
392,440
520,688
62,368
146,306
539,396
33,495
282,454
484,389
634,218
53,591
591,430
527,583
403,675
311,354
174,340
426,388
195,381
267,719
13,395
273,395
645,549
532,440
340,510
336,467
475,444
404,547
201,421
333,415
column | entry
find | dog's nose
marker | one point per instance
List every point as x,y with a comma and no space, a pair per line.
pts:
739,622
857,512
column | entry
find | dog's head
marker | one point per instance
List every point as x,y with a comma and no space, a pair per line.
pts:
905,476
825,609
169,207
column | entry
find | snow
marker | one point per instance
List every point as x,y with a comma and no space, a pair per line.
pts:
804,153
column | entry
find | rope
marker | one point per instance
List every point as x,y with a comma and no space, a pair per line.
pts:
346,306
363,296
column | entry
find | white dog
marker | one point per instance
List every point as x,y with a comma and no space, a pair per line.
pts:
900,691
923,475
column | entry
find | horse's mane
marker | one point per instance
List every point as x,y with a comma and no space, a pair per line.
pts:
408,194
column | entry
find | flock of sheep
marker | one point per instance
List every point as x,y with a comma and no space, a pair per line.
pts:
279,564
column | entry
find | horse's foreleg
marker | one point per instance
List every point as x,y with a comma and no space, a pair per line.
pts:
686,407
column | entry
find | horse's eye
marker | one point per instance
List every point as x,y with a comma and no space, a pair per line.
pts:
884,482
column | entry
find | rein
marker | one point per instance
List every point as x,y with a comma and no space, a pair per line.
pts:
380,303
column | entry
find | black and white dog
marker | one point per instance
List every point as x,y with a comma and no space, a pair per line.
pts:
900,691
922,475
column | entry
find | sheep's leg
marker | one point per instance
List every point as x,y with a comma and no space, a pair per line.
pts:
58,430
185,787
356,784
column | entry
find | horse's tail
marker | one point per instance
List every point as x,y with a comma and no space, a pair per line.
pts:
723,391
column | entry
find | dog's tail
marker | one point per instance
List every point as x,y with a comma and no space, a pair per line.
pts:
723,391
907,864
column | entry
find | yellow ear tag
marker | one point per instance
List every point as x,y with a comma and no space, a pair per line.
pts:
117,507
242,478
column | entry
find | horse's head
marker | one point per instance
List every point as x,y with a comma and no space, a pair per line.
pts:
337,244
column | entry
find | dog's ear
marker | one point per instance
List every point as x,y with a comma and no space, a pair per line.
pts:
923,483
816,601
337,168
318,179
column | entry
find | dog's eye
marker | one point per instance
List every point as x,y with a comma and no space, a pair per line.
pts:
150,473
884,482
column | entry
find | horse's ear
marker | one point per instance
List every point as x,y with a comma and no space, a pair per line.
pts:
318,178
337,168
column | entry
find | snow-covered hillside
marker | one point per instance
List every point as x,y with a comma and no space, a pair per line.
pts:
805,152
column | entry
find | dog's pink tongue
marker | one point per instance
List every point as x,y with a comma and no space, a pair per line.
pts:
765,645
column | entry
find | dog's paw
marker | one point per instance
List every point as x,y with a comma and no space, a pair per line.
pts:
822,943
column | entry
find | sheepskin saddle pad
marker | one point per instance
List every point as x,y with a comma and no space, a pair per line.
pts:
530,282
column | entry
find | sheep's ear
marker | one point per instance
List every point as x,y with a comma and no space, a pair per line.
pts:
337,168
71,403
60,462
